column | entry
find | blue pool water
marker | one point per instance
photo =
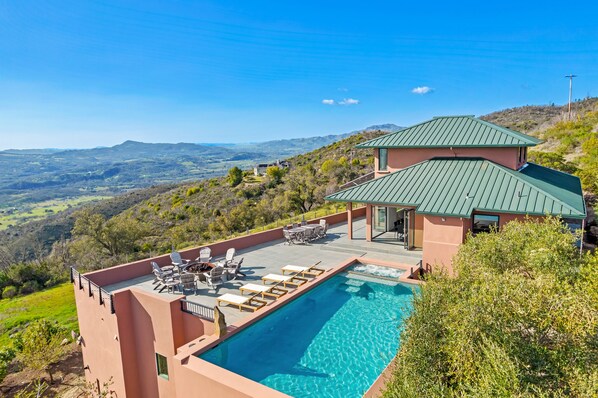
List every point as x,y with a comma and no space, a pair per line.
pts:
333,341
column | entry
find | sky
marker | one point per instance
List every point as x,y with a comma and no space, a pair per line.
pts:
77,74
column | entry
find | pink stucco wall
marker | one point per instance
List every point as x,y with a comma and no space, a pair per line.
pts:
399,158
443,238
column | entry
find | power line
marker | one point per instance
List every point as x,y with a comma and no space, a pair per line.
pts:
570,91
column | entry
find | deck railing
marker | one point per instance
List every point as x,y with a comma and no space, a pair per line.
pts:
359,180
198,310
93,290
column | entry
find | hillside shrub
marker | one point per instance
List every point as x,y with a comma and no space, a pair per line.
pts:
192,191
9,292
29,287
519,319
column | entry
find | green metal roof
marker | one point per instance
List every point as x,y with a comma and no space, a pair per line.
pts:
458,186
452,131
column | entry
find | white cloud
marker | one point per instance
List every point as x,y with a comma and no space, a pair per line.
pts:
349,101
422,90
328,101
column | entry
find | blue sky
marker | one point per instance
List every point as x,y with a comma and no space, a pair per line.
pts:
89,73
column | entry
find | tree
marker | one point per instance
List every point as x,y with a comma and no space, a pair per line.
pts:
518,319
40,346
117,235
275,174
235,176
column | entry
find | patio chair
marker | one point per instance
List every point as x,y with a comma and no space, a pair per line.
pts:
234,269
178,261
250,303
205,255
215,277
287,236
170,283
295,225
188,283
322,231
161,273
228,258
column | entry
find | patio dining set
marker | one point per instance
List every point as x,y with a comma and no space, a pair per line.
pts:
183,275
304,233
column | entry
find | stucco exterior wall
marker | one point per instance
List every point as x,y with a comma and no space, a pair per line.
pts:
399,158
442,240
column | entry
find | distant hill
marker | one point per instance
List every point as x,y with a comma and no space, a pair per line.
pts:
536,118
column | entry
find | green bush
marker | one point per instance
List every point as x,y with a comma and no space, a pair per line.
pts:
519,319
29,287
192,191
9,292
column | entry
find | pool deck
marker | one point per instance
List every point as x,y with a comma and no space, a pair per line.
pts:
267,258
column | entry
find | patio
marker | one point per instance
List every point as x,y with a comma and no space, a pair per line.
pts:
271,257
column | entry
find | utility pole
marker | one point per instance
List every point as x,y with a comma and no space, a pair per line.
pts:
570,91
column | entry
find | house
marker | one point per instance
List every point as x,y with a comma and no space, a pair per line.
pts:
260,169
440,179
434,182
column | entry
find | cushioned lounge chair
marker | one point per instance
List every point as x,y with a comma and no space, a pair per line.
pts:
242,302
293,281
303,271
271,291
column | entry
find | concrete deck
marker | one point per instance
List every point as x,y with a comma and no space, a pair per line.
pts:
269,258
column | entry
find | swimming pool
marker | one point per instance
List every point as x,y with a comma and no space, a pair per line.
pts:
333,341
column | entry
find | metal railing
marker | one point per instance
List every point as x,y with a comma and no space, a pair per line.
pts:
93,290
198,310
359,180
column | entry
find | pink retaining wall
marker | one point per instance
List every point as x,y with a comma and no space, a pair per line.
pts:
139,268
123,345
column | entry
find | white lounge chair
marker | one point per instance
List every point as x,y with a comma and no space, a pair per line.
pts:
293,281
303,271
272,291
215,277
247,302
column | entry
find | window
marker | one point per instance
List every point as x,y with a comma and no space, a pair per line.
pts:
522,154
382,159
484,223
162,366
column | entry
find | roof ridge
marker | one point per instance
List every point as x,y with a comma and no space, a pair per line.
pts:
518,176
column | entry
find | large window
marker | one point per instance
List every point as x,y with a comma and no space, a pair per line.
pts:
162,366
382,159
484,223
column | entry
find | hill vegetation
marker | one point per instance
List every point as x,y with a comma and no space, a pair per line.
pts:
570,144
519,319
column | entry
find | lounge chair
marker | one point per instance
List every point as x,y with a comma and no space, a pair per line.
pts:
234,269
241,301
272,291
303,271
228,258
293,281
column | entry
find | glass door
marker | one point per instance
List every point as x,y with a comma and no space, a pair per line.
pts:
409,229
379,221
